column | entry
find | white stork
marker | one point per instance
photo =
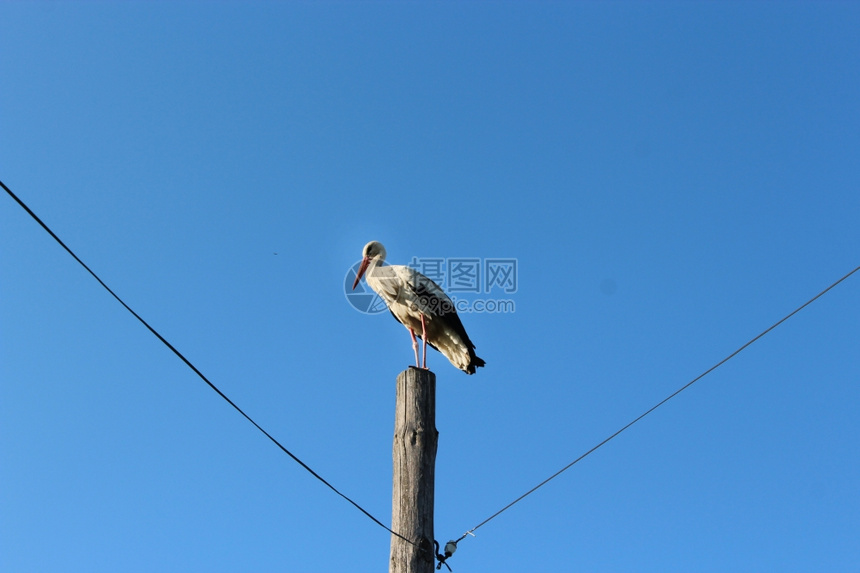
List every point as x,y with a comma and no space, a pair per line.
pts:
421,306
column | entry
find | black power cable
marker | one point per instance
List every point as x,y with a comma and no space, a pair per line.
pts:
194,368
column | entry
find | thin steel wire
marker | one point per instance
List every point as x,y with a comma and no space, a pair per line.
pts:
660,403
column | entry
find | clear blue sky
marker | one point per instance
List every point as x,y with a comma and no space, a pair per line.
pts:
672,178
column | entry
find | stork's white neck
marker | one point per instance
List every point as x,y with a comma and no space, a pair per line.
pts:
375,262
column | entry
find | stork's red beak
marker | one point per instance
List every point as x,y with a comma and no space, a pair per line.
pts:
363,267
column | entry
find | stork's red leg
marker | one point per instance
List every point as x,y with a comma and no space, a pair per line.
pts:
415,347
424,339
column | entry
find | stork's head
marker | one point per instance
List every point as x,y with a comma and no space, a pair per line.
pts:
373,251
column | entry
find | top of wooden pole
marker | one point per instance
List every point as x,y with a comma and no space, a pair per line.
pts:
414,456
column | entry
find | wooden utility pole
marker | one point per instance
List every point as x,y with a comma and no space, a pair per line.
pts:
414,452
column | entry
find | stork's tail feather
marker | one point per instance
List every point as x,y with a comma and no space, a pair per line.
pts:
474,362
